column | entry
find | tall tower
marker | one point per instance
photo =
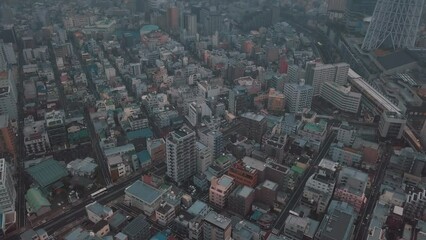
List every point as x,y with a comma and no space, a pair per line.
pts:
394,24
181,154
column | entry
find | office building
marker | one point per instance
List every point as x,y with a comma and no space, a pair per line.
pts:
55,127
7,56
213,140
220,188
190,24
350,188
7,188
341,97
394,24
8,101
298,96
181,154
254,126
238,100
338,223
173,18
391,125
243,174
241,199
138,121
217,227
7,136
204,157
318,73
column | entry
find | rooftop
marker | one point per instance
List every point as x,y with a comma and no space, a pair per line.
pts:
36,200
270,185
253,116
134,227
225,181
217,220
4,120
140,133
143,192
197,208
99,209
47,172
337,224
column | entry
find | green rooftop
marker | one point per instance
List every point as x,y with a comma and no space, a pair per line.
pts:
222,159
36,200
297,169
47,172
315,127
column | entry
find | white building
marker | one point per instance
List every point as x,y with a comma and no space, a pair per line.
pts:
346,134
97,212
213,140
341,97
392,124
318,73
298,96
36,140
7,188
143,196
181,154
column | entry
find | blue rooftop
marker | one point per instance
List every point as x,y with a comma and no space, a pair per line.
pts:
197,207
98,209
144,192
140,133
143,157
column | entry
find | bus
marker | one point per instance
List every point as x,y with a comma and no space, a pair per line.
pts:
294,213
99,192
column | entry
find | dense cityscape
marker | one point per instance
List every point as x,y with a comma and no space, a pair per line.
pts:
213,119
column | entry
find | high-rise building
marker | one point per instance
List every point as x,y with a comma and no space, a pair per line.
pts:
181,154
318,73
220,189
356,11
276,101
204,157
213,140
238,100
254,126
298,96
394,24
341,97
7,189
55,127
7,55
241,199
190,24
7,136
8,94
173,19
217,227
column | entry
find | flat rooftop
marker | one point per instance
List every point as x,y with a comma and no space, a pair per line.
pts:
143,192
217,220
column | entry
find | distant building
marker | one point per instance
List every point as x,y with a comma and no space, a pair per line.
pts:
213,140
276,101
298,96
181,154
83,167
36,139
317,74
220,189
346,134
204,157
241,199
55,127
238,100
245,230
254,126
217,227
